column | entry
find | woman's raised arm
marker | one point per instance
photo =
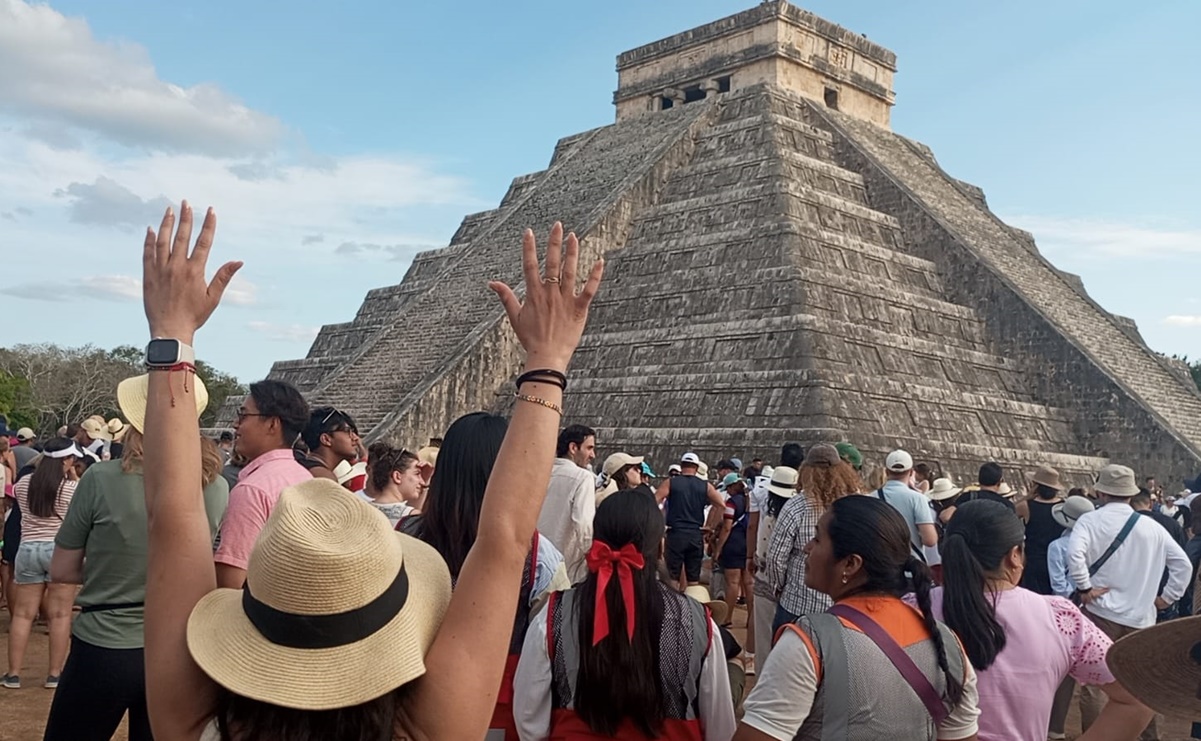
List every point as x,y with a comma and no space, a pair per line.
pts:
464,666
180,569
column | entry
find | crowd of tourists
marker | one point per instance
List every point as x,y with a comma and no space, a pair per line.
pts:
286,581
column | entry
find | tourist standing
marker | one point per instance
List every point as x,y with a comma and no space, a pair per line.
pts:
566,517
766,502
1121,592
102,545
1041,529
332,438
686,496
396,480
839,668
24,451
43,498
621,655
271,417
730,549
912,506
1022,644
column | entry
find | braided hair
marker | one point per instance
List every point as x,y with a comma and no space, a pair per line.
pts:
880,536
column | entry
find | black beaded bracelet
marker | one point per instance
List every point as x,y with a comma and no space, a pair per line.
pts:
544,375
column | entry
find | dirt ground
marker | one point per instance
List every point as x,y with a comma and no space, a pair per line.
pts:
23,712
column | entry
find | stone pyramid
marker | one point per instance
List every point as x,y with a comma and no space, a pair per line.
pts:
781,266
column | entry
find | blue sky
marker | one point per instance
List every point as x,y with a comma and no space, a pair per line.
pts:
335,140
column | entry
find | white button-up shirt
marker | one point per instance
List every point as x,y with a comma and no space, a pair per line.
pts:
1134,571
566,518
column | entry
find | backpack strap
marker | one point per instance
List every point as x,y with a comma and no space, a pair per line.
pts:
552,602
914,676
533,563
1115,545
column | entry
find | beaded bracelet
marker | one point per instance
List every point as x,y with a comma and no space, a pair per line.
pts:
541,402
544,375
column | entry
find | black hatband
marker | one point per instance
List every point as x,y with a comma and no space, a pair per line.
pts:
327,631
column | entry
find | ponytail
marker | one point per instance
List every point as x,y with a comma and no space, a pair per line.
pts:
976,541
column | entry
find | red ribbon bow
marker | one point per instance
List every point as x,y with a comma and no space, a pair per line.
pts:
602,560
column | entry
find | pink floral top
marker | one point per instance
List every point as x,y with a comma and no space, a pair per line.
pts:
1047,639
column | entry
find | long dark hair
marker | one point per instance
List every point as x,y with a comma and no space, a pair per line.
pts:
878,534
451,516
619,678
47,479
243,718
973,545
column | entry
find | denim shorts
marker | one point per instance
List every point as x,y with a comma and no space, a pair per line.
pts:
33,562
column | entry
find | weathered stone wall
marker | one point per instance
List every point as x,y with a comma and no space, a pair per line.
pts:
1124,403
774,43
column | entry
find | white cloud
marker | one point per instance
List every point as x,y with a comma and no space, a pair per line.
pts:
284,332
57,72
1101,238
393,252
240,292
107,202
96,287
115,288
1183,320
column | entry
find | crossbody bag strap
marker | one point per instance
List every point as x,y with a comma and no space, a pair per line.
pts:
1115,545
913,675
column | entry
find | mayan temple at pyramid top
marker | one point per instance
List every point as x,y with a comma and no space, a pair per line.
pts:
775,43
781,266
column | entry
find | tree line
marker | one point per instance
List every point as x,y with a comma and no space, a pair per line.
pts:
45,386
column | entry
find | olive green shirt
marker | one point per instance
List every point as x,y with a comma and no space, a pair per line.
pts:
107,520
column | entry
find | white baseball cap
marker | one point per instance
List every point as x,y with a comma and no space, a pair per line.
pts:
898,461
690,458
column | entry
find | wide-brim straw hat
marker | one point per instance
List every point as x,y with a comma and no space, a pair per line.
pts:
1161,666
783,481
942,489
344,608
133,392
96,429
1048,477
718,609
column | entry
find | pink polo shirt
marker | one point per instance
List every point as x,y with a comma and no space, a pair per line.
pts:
251,501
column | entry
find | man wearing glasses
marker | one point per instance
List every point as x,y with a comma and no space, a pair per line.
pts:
331,437
269,422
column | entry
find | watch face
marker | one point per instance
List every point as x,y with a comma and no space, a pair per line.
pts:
162,352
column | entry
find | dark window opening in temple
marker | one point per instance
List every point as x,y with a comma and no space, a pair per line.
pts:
693,94
723,84
666,103
832,98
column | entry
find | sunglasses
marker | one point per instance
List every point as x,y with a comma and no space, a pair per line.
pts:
345,418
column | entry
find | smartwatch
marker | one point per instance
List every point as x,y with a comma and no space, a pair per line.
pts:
164,353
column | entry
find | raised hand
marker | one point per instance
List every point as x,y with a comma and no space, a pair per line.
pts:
550,321
178,300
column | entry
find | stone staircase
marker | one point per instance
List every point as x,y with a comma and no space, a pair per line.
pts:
784,302
1129,401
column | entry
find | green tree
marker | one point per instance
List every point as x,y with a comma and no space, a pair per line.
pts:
44,386
220,385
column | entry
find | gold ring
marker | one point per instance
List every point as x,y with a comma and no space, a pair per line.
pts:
550,280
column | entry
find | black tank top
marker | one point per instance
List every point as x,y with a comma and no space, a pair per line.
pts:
686,500
1040,531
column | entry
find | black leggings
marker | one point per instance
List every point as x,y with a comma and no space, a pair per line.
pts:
97,686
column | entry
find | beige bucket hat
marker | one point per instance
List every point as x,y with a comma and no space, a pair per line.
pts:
132,394
783,481
338,609
1116,481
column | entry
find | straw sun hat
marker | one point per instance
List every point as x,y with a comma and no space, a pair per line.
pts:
338,609
1161,666
132,394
